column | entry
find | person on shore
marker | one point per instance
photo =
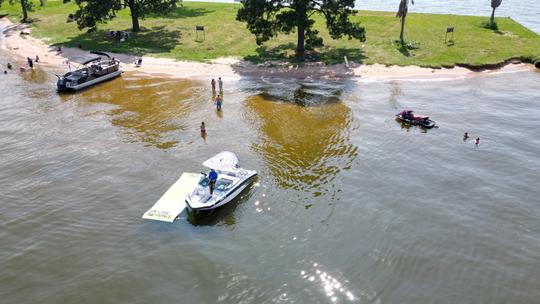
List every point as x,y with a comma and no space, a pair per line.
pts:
30,62
37,58
139,62
465,136
203,128
477,141
220,82
9,66
219,101
212,176
213,83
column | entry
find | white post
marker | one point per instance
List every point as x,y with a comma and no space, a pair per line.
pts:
346,62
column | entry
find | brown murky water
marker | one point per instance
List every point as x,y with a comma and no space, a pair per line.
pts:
350,207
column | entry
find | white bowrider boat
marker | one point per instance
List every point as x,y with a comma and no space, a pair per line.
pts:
230,182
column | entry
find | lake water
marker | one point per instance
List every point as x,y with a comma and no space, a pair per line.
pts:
524,11
349,207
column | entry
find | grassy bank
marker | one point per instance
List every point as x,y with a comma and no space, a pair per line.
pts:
174,36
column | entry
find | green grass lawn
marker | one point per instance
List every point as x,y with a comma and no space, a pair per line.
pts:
174,36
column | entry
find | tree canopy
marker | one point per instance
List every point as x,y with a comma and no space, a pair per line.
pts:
92,12
265,19
494,5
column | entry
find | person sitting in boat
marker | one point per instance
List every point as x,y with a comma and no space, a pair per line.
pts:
212,176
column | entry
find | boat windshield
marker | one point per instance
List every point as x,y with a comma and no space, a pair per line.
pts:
204,181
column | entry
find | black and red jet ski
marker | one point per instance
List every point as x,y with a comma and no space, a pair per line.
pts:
415,120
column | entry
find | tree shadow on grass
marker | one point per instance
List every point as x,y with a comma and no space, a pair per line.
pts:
264,53
154,40
402,48
184,12
491,26
285,52
336,55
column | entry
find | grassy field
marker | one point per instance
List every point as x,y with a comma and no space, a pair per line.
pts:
174,36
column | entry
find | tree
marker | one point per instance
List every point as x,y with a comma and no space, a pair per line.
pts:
265,19
494,4
25,6
402,13
92,12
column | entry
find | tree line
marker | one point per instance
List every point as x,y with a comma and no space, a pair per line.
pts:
264,19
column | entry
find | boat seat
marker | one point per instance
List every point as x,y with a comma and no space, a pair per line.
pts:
223,184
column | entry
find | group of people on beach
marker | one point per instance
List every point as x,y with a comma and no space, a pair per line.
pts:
218,100
30,62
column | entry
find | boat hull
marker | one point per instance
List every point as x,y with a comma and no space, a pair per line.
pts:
225,200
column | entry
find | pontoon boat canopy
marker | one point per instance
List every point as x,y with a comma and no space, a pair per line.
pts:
223,161
91,60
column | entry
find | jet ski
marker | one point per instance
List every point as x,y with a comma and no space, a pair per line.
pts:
415,120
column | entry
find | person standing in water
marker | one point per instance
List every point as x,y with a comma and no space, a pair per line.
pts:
465,136
30,62
219,101
477,141
213,83
203,128
220,82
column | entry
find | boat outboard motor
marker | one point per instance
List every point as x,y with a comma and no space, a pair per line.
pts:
61,83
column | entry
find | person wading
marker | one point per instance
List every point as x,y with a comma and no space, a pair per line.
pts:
213,83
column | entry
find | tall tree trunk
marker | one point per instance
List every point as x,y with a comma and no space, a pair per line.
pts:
493,16
24,11
134,15
41,2
300,46
402,30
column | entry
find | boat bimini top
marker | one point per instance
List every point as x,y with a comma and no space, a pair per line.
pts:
224,161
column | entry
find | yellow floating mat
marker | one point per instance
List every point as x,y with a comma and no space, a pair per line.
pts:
173,202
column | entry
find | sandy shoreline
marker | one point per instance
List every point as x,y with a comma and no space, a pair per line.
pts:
22,46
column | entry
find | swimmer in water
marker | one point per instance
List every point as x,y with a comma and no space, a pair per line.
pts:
465,136
477,141
203,128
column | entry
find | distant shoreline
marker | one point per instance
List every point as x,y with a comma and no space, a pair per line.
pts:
23,46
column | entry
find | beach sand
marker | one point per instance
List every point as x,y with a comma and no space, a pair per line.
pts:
22,46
